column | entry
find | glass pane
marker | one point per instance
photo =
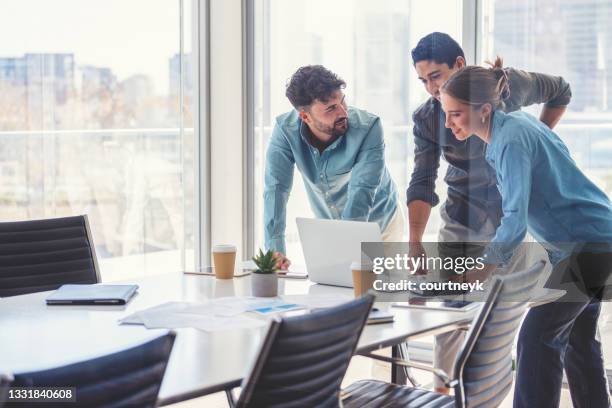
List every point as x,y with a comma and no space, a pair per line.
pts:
89,124
367,44
571,39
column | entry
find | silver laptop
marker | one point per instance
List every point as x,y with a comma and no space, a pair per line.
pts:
330,246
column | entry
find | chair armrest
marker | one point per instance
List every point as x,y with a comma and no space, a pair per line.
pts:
436,371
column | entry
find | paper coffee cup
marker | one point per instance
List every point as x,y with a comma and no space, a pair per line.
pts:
224,259
363,277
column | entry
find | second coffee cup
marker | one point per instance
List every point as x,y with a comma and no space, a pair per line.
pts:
363,277
224,258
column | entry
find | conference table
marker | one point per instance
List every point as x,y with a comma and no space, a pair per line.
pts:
34,336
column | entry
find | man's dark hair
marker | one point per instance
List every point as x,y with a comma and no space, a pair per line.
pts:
312,82
438,47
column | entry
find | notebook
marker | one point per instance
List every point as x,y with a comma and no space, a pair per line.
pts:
92,295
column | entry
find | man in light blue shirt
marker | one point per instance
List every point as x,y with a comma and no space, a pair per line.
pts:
339,151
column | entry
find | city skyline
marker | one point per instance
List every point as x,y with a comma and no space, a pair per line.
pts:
18,69
110,32
575,44
54,90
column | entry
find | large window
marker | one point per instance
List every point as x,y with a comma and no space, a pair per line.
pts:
91,121
571,38
368,44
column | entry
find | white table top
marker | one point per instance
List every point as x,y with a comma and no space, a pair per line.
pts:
35,336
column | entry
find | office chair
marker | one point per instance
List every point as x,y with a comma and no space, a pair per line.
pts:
483,370
5,382
128,378
303,359
42,255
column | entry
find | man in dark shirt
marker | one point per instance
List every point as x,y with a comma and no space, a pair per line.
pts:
472,210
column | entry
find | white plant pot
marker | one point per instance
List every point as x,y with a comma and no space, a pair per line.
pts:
264,284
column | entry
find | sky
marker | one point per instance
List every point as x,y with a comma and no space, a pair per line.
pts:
129,36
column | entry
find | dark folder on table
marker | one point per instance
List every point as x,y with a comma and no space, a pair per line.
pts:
92,295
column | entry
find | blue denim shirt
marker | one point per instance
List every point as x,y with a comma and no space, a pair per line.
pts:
543,191
348,181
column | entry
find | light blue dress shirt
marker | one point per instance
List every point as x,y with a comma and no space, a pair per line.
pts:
543,191
348,181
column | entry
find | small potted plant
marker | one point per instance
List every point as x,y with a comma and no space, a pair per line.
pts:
264,281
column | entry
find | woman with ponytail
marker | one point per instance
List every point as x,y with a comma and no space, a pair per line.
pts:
545,193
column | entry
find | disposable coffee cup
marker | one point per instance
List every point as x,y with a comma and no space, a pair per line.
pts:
363,277
224,258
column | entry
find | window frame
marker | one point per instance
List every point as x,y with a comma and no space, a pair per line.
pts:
202,179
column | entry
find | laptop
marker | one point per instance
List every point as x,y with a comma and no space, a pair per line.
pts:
92,295
330,246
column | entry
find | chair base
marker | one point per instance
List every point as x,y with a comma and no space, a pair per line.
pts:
371,393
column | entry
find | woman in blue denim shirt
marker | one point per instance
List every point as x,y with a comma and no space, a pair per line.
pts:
543,192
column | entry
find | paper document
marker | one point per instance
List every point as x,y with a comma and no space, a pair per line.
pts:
317,301
176,315
227,313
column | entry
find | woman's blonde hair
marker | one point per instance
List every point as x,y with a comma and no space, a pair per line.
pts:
475,86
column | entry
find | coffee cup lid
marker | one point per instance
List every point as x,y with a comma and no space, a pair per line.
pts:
364,265
224,248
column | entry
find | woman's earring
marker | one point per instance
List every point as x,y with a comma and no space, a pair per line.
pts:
483,120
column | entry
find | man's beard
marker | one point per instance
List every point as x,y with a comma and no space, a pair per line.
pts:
333,130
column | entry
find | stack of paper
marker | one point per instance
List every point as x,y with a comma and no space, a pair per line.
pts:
226,313
176,315
317,301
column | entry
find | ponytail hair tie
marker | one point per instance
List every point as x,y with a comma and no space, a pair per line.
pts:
503,84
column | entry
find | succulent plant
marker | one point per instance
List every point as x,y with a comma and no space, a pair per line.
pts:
266,263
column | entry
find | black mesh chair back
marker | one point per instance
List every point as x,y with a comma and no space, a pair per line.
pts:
484,365
5,382
42,255
129,378
304,358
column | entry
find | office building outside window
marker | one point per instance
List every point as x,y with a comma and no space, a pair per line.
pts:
571,38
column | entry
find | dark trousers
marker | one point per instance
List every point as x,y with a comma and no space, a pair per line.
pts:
563,335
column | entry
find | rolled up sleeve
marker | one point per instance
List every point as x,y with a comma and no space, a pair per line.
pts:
513,166
366,175
278,181
426,163
528,88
